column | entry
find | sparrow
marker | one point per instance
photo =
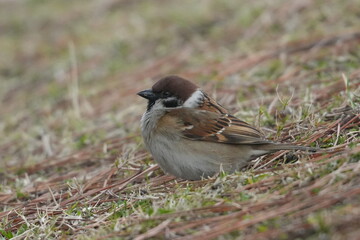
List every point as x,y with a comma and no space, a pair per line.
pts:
191,136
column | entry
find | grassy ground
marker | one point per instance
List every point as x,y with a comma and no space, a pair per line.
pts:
72,162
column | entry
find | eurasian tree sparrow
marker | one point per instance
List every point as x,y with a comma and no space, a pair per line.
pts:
192,136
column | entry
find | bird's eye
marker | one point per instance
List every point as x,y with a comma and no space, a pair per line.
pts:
166,94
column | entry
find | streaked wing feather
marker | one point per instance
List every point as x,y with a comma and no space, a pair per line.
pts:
223,128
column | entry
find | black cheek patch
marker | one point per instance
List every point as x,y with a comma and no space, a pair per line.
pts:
171,103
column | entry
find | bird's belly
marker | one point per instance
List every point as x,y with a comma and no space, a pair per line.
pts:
193,160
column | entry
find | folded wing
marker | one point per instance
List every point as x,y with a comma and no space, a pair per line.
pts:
218,127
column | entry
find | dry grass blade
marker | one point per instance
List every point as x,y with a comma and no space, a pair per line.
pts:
154,231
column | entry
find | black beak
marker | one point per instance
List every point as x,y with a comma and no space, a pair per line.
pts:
148,94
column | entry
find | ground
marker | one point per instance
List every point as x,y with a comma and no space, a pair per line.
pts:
72,161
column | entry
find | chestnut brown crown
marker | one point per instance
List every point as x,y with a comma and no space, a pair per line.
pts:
176,86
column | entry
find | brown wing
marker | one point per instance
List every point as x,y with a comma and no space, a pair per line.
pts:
222,128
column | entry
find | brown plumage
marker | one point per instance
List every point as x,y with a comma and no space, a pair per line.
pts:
191,136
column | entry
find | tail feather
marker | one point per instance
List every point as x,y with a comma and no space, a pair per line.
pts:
273,147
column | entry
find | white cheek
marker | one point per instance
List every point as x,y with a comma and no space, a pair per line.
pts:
158,105
193,101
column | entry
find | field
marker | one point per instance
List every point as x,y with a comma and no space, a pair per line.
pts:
72,161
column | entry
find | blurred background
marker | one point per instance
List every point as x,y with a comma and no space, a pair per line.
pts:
87,58
70,71
82,59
